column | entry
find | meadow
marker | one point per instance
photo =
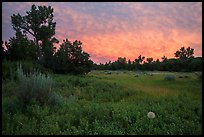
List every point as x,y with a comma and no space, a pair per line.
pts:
109,103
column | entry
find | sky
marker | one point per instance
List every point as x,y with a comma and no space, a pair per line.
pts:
109,30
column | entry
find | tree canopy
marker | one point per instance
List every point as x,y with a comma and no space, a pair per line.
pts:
71,58
184,54
39,23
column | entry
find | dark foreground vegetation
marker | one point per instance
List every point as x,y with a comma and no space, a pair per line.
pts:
103,102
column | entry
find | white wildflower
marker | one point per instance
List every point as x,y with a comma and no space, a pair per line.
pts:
151,115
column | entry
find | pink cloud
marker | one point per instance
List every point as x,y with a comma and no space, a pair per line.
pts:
112,30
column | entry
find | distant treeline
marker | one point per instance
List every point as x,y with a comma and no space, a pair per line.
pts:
184,61
172,64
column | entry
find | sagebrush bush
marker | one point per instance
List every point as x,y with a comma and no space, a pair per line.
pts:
9,69
55,99
169,77
199,75
36,86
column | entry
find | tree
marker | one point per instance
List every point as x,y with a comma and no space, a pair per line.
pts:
129,65
149,60
184,54
121,63
38,22
21,48
139,59
70,58
164,58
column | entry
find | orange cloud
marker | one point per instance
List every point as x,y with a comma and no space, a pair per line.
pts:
148,43
112,30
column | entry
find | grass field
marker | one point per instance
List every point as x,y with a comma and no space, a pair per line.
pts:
110,102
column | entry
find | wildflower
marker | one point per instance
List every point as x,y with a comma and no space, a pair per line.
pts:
151,115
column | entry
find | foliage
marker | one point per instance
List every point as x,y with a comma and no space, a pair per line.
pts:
139,59
199,75
35,86
185,62
55,99
149,60
70,58
9,68
171,64
12,105
164,58
120,106
21,48
38,22
184,54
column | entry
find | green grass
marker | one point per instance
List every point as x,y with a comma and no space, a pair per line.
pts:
116,103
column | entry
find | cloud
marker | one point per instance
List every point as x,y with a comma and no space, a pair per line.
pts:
109,30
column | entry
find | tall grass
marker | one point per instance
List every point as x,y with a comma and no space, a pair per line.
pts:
109,104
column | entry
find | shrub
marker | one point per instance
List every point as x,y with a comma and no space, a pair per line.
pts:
169,77
199,75
186,76
9,70
34,86
55,99
11,105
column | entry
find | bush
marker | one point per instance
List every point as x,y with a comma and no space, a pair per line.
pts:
169,77
11,105
199,75
35,86
55,99
9,70
180,77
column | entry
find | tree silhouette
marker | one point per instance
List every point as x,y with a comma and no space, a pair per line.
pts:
121,63
149,60
71,58
164,58
139,59
38,22
184,54
21,48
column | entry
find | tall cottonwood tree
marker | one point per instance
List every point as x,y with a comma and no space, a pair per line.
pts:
38,22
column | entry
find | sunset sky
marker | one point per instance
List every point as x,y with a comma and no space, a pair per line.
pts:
109,30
